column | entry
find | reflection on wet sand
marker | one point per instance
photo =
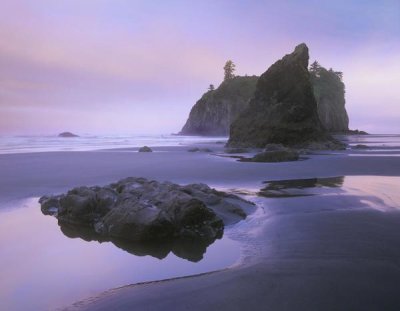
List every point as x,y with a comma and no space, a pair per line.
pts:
183,248
298,187
44,269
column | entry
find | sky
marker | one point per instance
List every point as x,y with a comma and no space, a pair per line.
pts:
137,67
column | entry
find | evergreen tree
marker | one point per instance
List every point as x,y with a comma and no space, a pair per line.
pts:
211,87
339,74
229,68
315,66
315,69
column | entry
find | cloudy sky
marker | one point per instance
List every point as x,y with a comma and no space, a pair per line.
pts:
137,67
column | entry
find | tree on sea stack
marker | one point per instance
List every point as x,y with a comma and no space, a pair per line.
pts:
211,87
229,68
315,69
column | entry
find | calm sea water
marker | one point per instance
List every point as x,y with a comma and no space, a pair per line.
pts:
25,144
374,141
44,268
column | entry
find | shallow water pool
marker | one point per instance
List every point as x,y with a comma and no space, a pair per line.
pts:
43,269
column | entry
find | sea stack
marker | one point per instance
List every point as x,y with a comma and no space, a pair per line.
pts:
283,109
329,91
214,112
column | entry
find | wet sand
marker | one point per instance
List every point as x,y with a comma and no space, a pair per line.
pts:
332,250
34,174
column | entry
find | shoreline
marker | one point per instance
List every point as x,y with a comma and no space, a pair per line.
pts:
35,174
321,272
289,256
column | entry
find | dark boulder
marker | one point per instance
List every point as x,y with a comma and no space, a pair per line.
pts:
137,209
145,149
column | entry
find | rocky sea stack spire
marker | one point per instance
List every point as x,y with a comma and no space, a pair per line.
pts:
283,109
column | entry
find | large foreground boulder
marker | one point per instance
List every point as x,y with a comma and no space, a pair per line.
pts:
140,210
283,109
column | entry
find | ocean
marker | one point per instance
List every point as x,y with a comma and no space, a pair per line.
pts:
28,144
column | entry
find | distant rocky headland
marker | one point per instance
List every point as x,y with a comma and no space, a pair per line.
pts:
67,134
218,109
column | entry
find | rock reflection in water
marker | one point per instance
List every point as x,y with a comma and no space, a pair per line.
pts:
189,249
298,187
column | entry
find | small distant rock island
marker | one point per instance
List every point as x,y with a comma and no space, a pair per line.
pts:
218,108
67,135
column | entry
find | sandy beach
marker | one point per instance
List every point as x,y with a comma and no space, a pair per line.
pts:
199,155
333,246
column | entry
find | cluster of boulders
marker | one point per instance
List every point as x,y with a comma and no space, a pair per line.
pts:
137,209
281,153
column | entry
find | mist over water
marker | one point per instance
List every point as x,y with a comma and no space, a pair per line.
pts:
27,144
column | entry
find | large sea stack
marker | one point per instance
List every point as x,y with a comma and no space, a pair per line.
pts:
216,109
283,109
